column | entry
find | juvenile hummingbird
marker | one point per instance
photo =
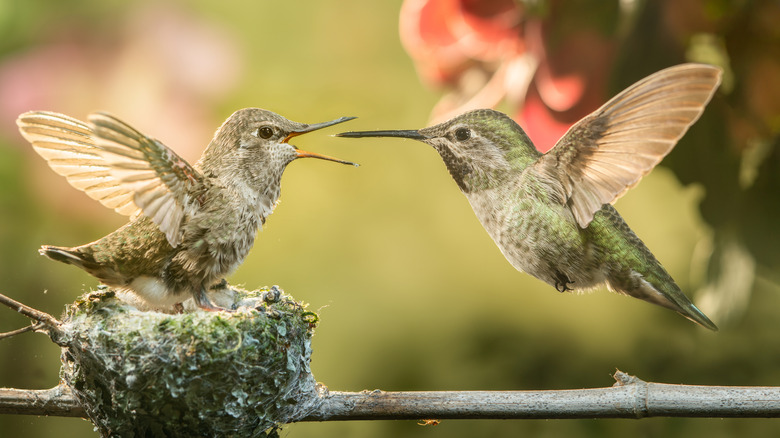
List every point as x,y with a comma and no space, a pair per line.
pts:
191,225
551,214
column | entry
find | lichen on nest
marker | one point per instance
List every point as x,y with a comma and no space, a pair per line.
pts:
141,373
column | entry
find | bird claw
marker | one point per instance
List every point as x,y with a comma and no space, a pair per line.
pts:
562,282
204,302
222,284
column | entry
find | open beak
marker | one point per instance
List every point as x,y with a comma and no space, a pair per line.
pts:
304,128
413,134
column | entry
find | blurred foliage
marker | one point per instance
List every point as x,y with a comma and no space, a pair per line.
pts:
412,293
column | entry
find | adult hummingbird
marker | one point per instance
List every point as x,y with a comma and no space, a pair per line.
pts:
191,225
551,214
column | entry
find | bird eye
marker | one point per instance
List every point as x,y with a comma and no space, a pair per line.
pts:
265,132
463,134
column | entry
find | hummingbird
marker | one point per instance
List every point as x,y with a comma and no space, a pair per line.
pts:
551,214
190,225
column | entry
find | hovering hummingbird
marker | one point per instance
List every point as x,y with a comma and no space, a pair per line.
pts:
191,225
551,214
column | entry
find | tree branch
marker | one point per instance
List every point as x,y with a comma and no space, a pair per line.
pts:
57,401
630,397
29,328
48,323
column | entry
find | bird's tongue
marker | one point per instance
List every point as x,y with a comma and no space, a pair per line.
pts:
306,154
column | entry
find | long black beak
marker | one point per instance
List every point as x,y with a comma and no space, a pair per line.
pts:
413,134
304,128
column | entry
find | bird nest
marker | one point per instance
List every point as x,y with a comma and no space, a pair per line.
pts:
140,373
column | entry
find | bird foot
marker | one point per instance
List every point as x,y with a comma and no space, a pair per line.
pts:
220,285
562,282
204,302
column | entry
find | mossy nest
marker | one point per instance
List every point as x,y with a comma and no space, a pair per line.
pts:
151,374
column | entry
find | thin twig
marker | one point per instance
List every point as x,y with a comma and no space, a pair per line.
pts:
30,312
47,323
29,328
630,397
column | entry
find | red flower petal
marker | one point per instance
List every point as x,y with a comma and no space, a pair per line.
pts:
444,37
539,123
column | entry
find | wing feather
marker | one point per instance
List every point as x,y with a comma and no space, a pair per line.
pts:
115,164
609,151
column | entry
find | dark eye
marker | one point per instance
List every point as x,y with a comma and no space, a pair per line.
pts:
265,132
463,134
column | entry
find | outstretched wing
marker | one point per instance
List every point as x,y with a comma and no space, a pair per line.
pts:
115,164
609,151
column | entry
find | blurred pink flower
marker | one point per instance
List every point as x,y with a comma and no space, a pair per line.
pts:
447,37
569,83
489,51
160,72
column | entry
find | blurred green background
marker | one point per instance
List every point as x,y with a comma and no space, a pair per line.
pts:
412,293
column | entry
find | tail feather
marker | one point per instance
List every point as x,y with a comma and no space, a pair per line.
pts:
83,259
637,273
63,255
667,294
